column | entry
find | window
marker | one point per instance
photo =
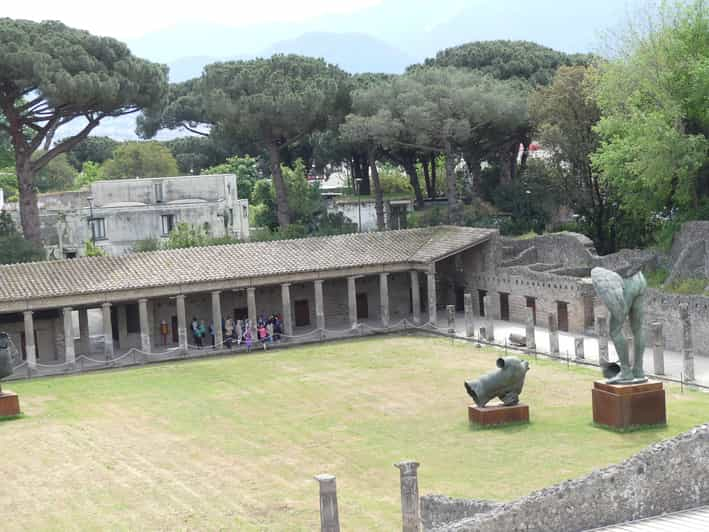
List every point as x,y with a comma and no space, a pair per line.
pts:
98,228
158,192
168,223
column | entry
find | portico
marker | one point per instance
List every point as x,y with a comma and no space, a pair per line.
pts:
107,306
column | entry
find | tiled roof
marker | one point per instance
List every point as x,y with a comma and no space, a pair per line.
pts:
235,261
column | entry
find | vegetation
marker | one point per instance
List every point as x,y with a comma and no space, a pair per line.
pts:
195,454
50,75
140,159
14,248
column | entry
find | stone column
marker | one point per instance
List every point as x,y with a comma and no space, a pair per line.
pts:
579,348
469,315
84,341
122,327
144,325
416,297
217,317
432,311
410,508
181,322
251,304
30,347
530,331
450,309
352,300
384,298
658,348
602,333
329,516
69,352
107,331
687,350
287,315
490,321
319,305
553,335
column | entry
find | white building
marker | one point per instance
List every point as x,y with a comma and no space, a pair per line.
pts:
125,211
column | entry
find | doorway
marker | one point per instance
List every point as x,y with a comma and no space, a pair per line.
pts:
562,311
532,303
362,306
302,313
459,299
175,332
481,302
241,313
504,306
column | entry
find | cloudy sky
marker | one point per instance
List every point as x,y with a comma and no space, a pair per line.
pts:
127,19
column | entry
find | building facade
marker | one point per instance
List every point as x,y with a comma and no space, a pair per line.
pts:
118,213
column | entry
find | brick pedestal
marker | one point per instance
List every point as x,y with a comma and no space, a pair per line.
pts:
9,404
624,406
498,415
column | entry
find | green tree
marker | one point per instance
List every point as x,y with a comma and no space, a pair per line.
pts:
90,173
245,168
50,75
268,103
14,248
186,236
56,176
140,159
195,154
93,149
654,127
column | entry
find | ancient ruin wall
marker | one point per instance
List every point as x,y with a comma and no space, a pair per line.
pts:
669,476
664,308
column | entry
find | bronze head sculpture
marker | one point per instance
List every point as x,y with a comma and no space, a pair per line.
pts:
506,383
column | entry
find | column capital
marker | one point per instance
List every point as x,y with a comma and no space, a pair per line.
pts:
106,305
216,292
319,281
67,309
384,274
251,289
143,300
285,285
28,312
180,296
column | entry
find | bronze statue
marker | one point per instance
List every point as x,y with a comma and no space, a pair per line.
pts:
624,296
6,368
506,383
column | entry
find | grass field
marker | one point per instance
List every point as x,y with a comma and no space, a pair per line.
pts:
234,443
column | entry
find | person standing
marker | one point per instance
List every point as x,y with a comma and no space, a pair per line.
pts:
164,329
239,331
201,332
228,331
195,330
213,333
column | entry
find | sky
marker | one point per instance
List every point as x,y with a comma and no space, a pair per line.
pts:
128,19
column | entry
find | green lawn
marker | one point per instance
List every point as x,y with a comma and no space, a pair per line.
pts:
233,443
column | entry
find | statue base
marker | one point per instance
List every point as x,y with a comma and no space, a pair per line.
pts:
9,404
625,406
498,415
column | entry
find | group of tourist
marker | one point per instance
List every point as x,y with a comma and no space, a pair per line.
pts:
268,329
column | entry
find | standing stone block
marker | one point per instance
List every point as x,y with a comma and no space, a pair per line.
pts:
490,323
602,333
451,319
410,508
553,335
658,348
329,516
469,319
530,332
687,350
579,348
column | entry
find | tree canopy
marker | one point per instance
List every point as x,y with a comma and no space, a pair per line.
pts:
50,75
140,159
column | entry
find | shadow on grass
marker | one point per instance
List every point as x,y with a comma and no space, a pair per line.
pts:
634,428
509,428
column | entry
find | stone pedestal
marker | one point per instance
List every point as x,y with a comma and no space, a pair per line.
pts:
9,404
498,414
624,406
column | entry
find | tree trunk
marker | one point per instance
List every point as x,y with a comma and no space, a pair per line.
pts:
427,178
475,169
526,141
410,168
282,210
508,160
378,195
360,170
433,175
451,194
29,211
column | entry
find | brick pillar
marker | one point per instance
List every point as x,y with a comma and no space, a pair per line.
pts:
30,347
530,331
416,297
287,315
579,348
410,508
329,516
687,350
469,315
217,317
144,325
107,331
602,333
553,335
319,305
384,298
181,322
352,301
432,302
658,348
489,319
69,352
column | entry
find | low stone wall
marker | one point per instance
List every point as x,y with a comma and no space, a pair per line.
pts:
669,476
438,510
664,308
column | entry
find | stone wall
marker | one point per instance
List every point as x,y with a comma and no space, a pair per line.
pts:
669,476
438,510
664,308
